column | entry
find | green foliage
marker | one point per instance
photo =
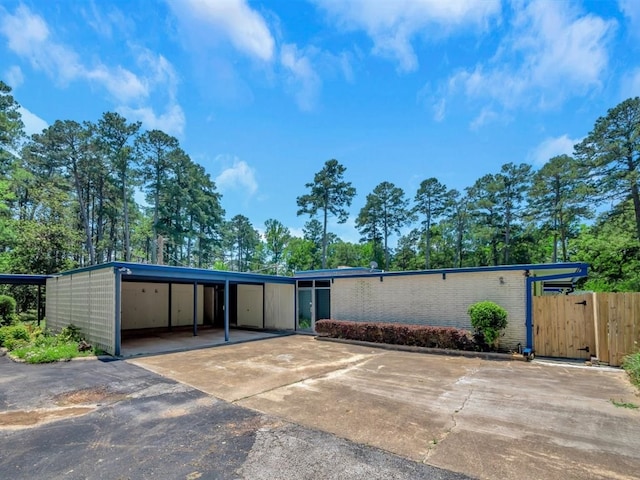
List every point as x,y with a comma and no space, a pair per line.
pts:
331,195
30,343
488,319
12,334
612,251
398,334
631,364
70,333
611,155
385,212
7,309
49,350
623,404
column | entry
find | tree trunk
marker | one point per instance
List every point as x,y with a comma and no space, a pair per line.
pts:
125,208
635,195
324,239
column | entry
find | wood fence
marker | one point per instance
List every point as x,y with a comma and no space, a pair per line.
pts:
602,325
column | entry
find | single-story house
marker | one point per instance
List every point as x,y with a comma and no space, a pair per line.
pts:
109,300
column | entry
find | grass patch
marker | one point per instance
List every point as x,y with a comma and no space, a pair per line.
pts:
631,364
33,345
622,404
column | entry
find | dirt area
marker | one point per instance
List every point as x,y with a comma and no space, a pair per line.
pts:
487,419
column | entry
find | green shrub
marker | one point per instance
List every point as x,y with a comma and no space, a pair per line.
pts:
7,309
71,333
488,319
9,335
30,316
398,334
631,364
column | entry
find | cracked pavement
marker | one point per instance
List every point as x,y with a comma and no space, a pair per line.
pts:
483,418
93,419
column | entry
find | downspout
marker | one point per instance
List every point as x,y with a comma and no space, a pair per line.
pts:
582,272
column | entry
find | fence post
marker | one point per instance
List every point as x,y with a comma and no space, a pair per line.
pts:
596,325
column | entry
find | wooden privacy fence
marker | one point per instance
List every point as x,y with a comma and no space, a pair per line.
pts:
602,325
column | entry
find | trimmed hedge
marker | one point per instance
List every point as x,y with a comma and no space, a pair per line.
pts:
399,334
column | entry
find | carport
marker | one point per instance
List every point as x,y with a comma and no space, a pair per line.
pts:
118,301
20,279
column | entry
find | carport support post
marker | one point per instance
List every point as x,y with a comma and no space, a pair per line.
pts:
118,312
195,309
226,310
170,304
38,307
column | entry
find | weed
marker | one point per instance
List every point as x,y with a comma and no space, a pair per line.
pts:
622,404
631,364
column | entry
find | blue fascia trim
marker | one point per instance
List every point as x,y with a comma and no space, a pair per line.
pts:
532,267
22,279
582,272
324,271
186,274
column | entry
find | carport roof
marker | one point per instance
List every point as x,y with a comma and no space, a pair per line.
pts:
165,273
20,279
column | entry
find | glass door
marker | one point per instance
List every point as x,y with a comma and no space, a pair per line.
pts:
305,309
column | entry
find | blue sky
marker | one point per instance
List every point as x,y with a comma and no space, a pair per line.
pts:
262,93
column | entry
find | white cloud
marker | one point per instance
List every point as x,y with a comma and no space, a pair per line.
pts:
121,83
172,121
486,116
239,176
552,147
14,76
29,36
233,20
552,52
392,25
302,77
32,122
631,84
631,10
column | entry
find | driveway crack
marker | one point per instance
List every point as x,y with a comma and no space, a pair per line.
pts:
454,423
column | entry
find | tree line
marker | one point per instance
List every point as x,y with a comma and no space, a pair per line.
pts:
68,199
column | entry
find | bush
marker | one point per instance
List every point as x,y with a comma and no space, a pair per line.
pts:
71,333
398,334
7,309
488,320
10,335
28,316
631,364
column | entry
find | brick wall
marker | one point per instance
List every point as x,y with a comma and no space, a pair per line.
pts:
428,299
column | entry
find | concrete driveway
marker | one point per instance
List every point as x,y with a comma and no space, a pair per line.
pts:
486,419
89,419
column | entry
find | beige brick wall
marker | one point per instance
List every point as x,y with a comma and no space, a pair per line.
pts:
431,300
279,306
87,300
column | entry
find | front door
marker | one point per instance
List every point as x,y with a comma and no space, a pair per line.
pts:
305,309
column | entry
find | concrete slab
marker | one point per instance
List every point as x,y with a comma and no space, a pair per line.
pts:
79,420
487,419
151,343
